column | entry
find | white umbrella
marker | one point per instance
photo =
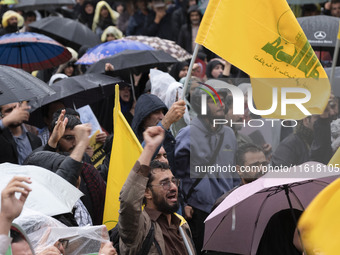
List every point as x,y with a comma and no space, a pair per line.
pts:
50,195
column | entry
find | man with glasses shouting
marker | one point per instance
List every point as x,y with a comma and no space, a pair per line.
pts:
157,229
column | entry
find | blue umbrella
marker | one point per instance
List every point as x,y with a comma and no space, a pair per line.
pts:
31,51
111,48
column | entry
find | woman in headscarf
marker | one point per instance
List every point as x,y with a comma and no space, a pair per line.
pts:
70,68
179,70
111,33
87,13
104,17
214,69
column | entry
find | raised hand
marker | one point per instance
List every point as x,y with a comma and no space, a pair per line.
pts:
174,114
59,130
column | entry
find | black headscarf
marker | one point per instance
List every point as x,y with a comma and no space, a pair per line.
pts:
176,68
278,236
210,66
85,18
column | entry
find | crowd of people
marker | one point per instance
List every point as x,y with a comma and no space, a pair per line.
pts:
164,201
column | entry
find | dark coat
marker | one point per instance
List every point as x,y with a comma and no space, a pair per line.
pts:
184,38
147,104
294,151
8,148
162,30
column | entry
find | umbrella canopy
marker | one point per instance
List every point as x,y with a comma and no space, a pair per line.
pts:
321,30
31,5
76,91
109,49
50,195
66,31
252,205
31,51
135,61
168,46
17,85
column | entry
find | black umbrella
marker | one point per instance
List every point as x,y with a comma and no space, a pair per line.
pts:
66,31
16,85
76,92
135,61
30,5
321,30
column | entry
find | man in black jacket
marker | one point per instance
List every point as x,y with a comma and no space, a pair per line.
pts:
151,111
16,142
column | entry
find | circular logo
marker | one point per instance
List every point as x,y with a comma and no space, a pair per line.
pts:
320,35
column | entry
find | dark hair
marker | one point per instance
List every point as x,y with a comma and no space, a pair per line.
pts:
335,1
210,66
16,235
243,149
73,120
29,14
155,164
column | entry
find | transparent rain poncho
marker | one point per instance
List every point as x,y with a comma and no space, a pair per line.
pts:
44,231
169,91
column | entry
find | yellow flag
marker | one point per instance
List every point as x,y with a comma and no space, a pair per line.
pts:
9,2
126,149
335,160
264,39
318,224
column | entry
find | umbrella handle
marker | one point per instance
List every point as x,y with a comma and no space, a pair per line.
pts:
294,218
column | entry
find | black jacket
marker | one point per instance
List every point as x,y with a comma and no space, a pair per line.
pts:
147,104
65,167
293,150
8,148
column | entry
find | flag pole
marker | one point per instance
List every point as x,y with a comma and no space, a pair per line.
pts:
335,56
185,87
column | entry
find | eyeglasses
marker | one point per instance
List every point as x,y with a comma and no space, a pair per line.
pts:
63,243
167,184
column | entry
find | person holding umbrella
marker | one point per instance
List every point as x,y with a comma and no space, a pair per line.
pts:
17,143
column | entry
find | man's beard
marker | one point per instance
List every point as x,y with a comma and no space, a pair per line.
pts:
12,27
163,206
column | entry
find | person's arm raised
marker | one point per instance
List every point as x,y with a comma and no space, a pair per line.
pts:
11,207
153,137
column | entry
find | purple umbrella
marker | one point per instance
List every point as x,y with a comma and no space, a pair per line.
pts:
109,49
237,224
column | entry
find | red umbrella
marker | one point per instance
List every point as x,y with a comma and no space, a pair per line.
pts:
31,51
